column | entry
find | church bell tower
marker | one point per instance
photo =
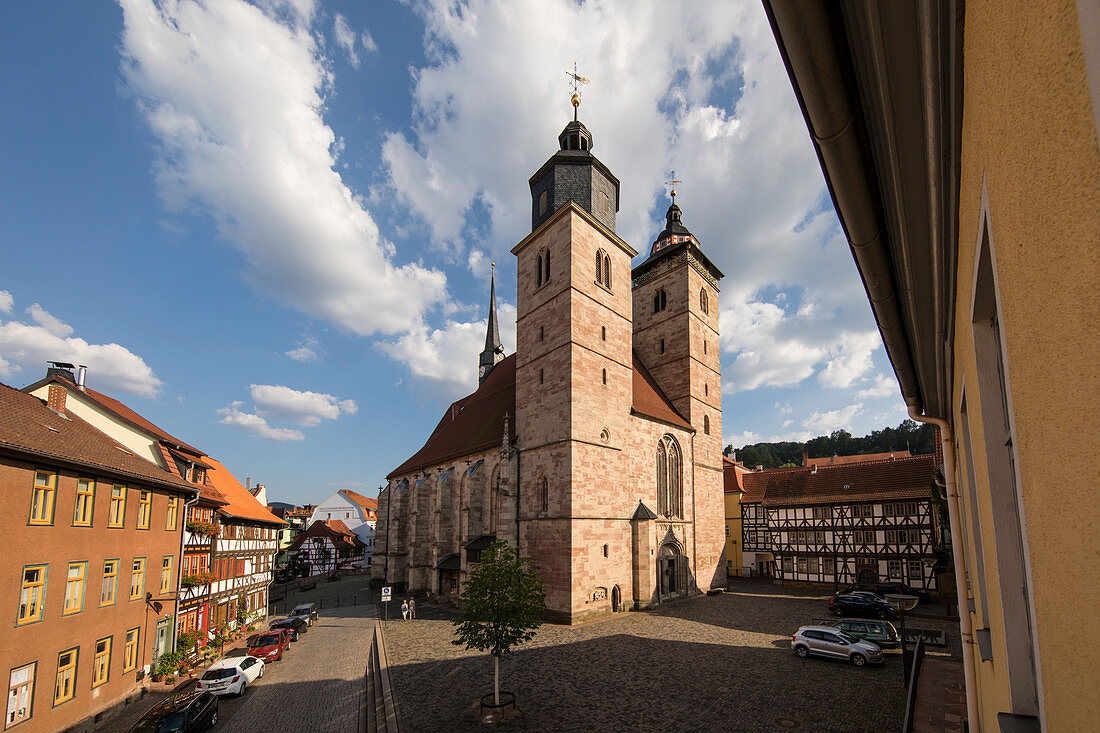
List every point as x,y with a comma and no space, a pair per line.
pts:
493,352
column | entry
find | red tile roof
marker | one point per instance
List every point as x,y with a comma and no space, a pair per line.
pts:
473,423
904,478
733,475
322,528
650,401
242,504
357,498
31,429
120,410
862,458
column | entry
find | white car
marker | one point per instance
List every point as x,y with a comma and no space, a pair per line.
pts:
230,676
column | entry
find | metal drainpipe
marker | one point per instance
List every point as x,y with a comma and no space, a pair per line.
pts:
965,629
179,572
516,446
694,516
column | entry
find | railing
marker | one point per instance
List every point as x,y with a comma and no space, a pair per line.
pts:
911,695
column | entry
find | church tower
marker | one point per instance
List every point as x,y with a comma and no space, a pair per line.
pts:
493,353
676,334
573,369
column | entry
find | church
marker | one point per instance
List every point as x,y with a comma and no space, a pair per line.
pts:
596,448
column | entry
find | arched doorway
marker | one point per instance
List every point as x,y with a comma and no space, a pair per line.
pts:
616,599
670,580
867,575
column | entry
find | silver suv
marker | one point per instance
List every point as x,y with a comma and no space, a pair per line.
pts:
306,611
829,642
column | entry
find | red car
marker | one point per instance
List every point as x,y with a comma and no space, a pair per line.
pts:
269,645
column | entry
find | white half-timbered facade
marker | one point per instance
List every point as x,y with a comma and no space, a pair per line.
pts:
857,522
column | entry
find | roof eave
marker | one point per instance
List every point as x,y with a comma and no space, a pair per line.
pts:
850,65
15,451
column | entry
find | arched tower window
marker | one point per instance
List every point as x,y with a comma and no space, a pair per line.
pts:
660,300
538,272
670,494
543,202
544,494
607,271
546,266
599,266
706,424
704,302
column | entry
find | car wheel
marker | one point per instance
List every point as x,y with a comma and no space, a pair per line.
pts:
214,718
244,684
859,660
802,651
261,671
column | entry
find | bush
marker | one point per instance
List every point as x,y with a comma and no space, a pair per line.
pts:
168,663
186,641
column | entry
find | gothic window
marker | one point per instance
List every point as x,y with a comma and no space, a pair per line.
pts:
603,269
706,424
546,267
599,266
703,301
670,497
660,300
538,272
544,494
607,271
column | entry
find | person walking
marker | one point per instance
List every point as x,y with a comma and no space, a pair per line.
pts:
405,610
412,608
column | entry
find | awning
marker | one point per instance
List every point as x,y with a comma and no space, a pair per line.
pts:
450,562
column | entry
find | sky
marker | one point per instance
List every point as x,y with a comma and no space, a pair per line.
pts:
268,227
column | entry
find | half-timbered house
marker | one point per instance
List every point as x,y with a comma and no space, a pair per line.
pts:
842,523
325,546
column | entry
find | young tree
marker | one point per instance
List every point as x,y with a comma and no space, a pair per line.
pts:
502,605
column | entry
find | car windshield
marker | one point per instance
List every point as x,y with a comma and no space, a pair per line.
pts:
219,674
301,611
172,723
847,638
265,640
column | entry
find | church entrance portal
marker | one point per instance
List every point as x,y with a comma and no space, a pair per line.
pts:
670,571
616,599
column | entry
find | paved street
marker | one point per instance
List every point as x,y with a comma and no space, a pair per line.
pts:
711,663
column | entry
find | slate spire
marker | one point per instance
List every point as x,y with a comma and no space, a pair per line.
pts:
494,351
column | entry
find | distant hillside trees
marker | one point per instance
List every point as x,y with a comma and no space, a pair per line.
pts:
915,437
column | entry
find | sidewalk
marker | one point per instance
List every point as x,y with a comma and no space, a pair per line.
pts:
131,713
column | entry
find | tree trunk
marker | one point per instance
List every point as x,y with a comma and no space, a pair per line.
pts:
496,680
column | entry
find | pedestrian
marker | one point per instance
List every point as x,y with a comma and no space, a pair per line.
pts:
405,610
412,608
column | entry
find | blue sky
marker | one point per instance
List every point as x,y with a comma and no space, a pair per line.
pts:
267,227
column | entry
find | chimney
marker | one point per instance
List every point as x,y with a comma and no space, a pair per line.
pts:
815,469
805,458
248,482
760,467
61,369
81,374
56,397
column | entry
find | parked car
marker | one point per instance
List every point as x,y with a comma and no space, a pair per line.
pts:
183,712
881,588
829,642
860,605
294,624
306,611
269,646
882,633
231,676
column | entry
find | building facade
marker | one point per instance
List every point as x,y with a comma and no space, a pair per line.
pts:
596,447
842,523
358,513
732,473
960,142
326,546
93,530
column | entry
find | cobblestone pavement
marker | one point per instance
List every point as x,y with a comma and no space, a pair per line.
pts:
315,687
350,590
709,663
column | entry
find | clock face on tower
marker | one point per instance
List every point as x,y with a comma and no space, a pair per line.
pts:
481,372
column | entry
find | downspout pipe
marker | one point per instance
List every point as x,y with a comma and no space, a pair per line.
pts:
947,441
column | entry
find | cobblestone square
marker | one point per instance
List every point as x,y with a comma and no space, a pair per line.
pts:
709,663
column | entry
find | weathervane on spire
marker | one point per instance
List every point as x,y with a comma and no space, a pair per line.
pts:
673,183
576,80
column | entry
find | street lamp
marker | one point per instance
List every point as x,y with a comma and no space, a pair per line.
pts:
904,604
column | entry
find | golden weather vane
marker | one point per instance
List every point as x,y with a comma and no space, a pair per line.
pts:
576,80
673,183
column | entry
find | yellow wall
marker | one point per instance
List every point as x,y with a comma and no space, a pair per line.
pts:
733,538
136,440
1028,132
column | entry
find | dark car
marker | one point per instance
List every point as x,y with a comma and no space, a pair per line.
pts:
183,712
881,588
860,605
880,632
296,625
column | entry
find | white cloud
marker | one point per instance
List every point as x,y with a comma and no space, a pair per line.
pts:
53,325
345,39
234,94
307,350
823,423
444,360
6,301
304,408
368,42
784,408
112,368
738,440
883,387
256,425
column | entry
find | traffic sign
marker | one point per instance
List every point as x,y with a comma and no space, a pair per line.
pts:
385,594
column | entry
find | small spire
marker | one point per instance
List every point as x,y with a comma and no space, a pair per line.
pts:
494,351
576,80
